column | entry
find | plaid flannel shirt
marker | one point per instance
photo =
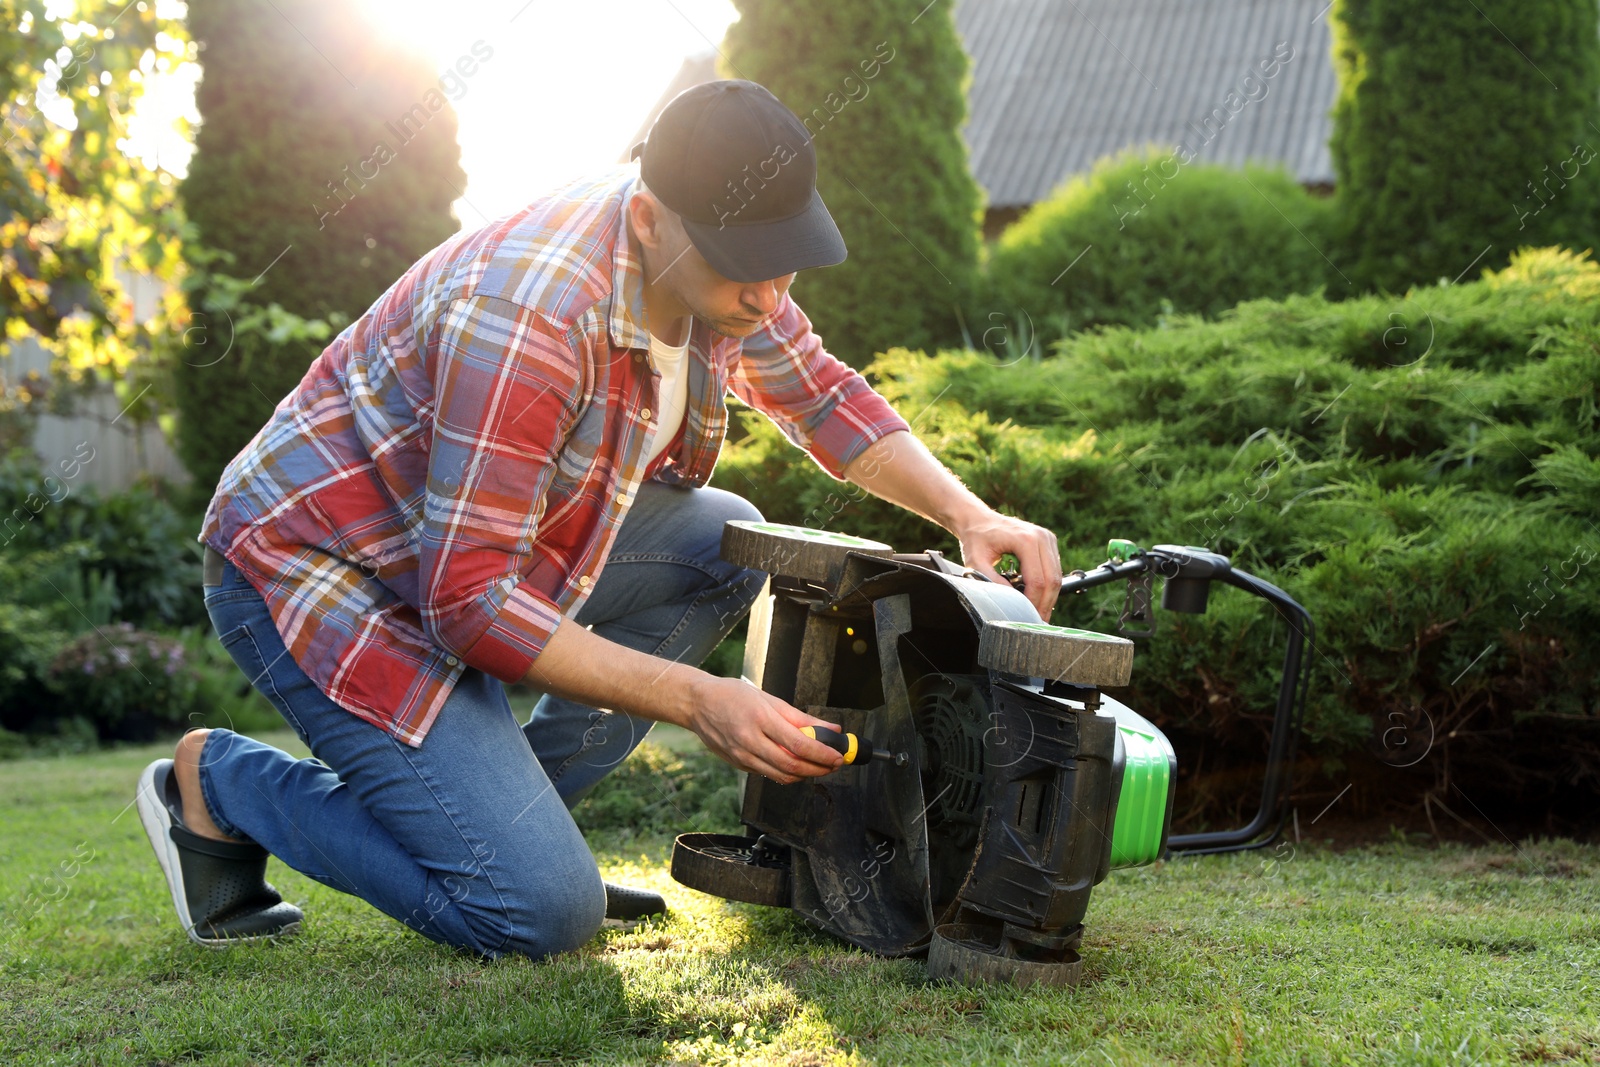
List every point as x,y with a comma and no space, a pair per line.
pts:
447,479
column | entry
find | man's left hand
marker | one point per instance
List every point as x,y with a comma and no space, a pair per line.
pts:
987,538
900,469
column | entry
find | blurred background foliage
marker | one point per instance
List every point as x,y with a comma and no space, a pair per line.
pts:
319,174
1140,237
103,633
1428,182
75,209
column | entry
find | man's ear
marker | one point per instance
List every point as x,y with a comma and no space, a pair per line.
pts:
644,212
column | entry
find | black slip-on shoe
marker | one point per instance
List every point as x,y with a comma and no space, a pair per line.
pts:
219,888
623,902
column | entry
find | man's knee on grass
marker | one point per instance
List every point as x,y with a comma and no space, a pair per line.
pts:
541,915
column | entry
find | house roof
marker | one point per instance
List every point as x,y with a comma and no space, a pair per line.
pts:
1057,84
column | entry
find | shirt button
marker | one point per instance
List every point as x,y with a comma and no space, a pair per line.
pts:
624,499
452,661
638,357
584,580
645,414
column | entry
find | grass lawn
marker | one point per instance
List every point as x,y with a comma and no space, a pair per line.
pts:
1397,953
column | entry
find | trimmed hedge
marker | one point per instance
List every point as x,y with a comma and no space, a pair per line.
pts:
1463,130
1142,234
1422,473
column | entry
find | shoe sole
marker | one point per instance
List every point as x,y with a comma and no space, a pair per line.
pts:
157,824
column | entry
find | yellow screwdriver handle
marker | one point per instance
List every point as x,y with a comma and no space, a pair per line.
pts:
847,745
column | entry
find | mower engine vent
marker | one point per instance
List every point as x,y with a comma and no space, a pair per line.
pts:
951,712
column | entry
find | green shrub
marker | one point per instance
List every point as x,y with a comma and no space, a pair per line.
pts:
126,556
12,745
78,571
1420,473
29,639
1143,236
44,599
131,684
115,683
727,659
1432,176
881,89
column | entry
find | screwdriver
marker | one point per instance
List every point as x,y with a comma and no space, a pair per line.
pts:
854,749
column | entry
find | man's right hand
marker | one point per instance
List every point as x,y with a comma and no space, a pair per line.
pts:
752,730
757,732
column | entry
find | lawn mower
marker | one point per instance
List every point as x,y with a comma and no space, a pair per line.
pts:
989,784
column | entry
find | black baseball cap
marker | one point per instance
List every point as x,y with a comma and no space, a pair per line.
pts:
740,170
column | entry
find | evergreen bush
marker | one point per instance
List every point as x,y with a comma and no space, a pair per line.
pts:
1420,472
1462,132
1141,236
325,165
882,91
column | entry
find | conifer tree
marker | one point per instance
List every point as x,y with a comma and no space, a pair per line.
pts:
326,164
1463,132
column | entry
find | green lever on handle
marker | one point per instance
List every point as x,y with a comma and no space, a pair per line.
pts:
1121,550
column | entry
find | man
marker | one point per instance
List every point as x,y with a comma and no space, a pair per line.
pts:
497,475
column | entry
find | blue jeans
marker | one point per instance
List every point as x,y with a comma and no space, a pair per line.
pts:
467,839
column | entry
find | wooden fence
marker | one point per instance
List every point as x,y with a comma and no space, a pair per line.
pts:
123,450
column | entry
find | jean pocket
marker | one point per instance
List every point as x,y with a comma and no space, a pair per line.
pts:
230,594
240,644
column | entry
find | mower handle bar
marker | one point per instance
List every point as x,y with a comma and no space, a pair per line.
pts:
1171,562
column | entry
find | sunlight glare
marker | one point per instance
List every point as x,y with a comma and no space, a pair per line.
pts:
561,93
565,87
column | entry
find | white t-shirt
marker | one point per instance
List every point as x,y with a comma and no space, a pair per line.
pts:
672,395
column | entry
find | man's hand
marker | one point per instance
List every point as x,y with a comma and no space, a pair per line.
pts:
985,539
757,732
752,730
901,470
